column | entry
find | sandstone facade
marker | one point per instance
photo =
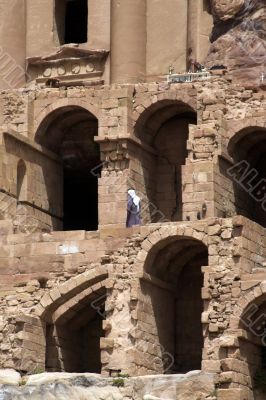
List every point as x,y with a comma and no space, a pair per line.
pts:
185,290
114,293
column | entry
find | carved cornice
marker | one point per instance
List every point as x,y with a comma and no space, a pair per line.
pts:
70,65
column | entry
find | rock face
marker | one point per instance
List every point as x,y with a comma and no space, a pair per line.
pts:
239,37
58,386
9,377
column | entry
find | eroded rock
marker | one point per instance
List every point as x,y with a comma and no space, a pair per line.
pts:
9,377
239,37
195,385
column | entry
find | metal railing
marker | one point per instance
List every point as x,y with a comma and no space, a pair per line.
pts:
189,77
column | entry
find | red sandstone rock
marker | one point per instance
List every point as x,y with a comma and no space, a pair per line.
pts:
239,38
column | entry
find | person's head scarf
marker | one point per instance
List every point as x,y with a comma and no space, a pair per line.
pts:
135,198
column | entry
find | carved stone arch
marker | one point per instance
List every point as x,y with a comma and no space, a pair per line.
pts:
58,296
155,241
233,127
87,105
161,111
249,317
94,296
74,312
171,278
245,130
162,124
68,128
247,148
256,295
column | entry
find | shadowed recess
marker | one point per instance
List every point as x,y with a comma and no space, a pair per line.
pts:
249,147
69,132
175,305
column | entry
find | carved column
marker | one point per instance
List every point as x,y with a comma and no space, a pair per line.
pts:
13,44
193,28
199,29
128,41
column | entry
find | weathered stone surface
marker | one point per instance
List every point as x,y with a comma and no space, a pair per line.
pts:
9,377
192,386
238,38
54,386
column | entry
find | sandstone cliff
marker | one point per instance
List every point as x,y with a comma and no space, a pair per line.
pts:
239,37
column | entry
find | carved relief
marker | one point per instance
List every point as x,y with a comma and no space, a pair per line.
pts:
61,70
47,72
69,66
90,67
75,68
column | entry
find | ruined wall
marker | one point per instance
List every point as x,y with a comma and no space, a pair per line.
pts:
236,250
55,276
207,190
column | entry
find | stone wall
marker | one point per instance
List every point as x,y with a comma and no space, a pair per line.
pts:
233,262
129,116
122,283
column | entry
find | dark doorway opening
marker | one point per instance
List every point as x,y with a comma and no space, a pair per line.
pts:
170,144
73,341
253,346
80,200
80,154
72,182
174,284
76,21
248,151
164,126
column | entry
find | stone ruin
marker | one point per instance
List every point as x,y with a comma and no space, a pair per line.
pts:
174,308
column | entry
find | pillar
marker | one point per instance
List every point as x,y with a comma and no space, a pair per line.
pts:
193,28
13,44
128,41
199,29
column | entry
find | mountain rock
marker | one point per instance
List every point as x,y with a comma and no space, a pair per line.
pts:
239,37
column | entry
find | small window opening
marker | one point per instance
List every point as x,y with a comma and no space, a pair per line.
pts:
71,21
76,21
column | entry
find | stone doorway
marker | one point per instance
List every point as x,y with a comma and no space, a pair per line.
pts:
69,133
252,347
163,129
248,150
73,341
171,297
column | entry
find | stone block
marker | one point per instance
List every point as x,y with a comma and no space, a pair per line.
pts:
234,393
